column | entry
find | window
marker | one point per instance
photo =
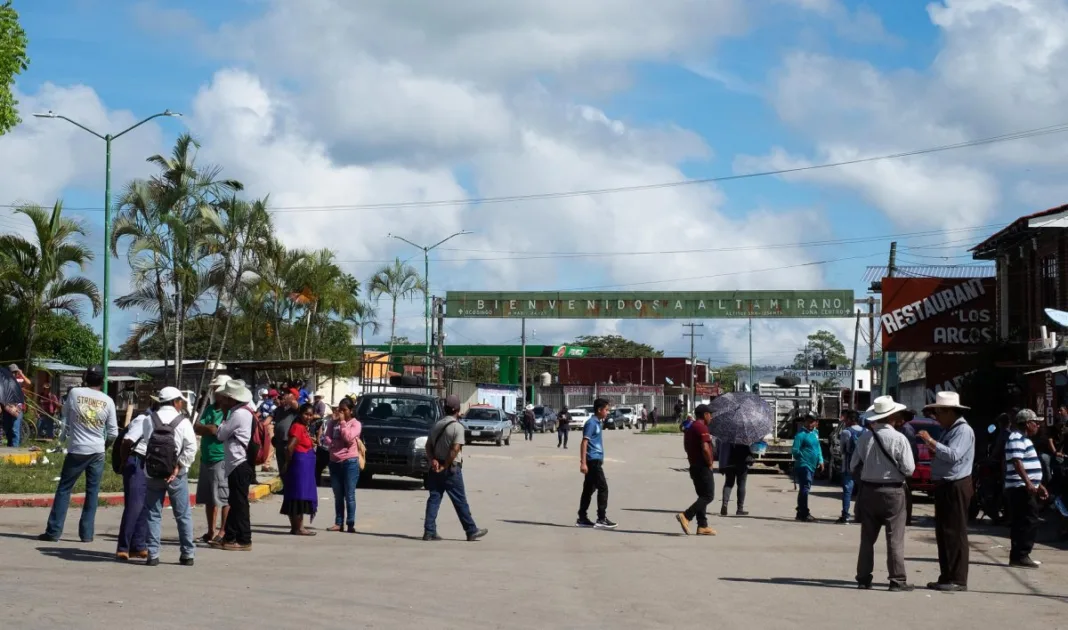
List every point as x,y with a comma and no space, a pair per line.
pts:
1048,289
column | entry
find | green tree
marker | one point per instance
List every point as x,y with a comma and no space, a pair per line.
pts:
397,280
67,340
822,350
615,346
13,62
728,376
34,274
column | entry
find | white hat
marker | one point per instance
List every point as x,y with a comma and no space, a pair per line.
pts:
235,390
530,407
884,407
169,394
946,400
219,381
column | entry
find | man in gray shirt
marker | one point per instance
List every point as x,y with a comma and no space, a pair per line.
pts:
883,458
953,455
443,447
90,427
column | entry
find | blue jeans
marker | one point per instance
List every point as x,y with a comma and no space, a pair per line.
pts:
450,482
847,493
12,429
178,491
73,467
343,479
803,476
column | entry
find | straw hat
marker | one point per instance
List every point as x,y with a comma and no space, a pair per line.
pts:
235,390
946,400
883,408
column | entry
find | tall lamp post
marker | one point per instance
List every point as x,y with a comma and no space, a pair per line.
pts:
107,138
426,281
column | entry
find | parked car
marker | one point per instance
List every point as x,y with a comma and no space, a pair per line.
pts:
485,423
615,420
921,478
630,415
544,419
395,430
579,416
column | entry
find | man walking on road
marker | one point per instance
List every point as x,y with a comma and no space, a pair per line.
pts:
1023,483
698,445
848,439
591,464
563,427
443,449
952,456
883,460
90,427
808,458
528,422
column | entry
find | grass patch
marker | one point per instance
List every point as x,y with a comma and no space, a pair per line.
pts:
43,478
663,429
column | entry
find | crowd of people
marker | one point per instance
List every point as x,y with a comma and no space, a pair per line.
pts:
158,448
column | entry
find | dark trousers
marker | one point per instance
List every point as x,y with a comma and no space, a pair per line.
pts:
879,507
238,525
595,480
73,467
739,475
951,501
322,460
528,432
1023,510
449,482
561,438
133,529
704,484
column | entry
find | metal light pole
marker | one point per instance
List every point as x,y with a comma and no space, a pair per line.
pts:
107,138
426,281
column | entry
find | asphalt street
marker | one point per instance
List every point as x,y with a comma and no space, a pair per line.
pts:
534,570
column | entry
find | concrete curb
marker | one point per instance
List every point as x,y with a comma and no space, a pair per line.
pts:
115,499
21,459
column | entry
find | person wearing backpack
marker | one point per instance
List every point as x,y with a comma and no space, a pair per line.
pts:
245,441
847,440
170,449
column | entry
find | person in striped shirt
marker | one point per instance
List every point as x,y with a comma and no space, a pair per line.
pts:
1023,485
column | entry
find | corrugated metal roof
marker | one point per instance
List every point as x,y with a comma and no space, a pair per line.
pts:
1016,226
932,271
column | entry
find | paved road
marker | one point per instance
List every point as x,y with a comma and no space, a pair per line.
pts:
534,570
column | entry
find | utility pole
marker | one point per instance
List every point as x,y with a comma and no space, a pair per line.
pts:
523,340
750,354
871,333
439,310
890,269
693,359
853,376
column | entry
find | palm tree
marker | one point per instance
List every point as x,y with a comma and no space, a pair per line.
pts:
35,277
397,280
362,317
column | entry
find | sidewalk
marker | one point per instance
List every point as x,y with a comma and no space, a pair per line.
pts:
255,493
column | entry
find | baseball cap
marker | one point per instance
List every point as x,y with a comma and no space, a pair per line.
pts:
272,393
13,367
452,401
169,394
700,410
294,391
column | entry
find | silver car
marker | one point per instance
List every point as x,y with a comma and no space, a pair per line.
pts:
483,423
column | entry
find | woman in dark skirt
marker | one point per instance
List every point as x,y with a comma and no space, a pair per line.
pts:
299,495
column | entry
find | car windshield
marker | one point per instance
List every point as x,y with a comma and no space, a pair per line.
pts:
539,411
482,414
387,409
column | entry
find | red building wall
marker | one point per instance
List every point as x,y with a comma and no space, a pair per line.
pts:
628,371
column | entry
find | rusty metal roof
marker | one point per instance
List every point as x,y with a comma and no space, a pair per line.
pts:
932,271
1014,229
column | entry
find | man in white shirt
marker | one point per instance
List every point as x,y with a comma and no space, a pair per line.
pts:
173,409
235,432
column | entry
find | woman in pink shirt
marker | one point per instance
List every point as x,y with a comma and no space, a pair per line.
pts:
342,438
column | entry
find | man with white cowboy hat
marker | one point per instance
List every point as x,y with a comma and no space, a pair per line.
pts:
528,422
952,457
170,449
234,398
213,488
884,459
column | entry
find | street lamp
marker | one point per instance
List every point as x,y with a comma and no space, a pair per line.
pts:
426,279
107,138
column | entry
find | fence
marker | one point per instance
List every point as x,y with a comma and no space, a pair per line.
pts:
558,397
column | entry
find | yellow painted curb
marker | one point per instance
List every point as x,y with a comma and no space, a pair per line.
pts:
20,459
262,490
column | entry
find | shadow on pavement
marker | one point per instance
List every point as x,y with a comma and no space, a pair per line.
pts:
74,554
971,562
385,535
822,583
652,510
22,536
617,530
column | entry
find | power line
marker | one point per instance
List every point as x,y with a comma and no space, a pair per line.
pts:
1019,135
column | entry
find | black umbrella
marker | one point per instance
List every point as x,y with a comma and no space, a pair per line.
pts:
741,418
10,390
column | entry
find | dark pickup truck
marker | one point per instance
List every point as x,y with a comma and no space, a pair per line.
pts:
395,428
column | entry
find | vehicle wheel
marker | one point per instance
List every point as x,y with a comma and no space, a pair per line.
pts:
499,441
508,441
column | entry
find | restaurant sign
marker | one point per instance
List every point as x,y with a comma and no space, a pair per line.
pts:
649,305
937,314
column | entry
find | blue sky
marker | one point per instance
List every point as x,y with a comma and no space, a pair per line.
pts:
323,102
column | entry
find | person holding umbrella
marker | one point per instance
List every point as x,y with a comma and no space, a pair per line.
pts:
698,444
738,421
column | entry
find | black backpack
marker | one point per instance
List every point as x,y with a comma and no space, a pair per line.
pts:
161,454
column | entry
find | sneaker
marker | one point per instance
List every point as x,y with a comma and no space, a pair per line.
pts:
152,562
122,556
723,510
683,522
897,587
947,587
706,531
351,529
87,540
842,520
864,586
604,523
473,536
185,562
47,538
1024,563
807,519
741,512
428,537
584,522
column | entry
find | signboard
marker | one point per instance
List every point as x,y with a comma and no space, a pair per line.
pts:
570,352
937,314
649,305
821,375
946,372
615,390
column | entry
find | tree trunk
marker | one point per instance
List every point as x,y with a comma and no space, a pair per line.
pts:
161,297
392,329
31,332
211,336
